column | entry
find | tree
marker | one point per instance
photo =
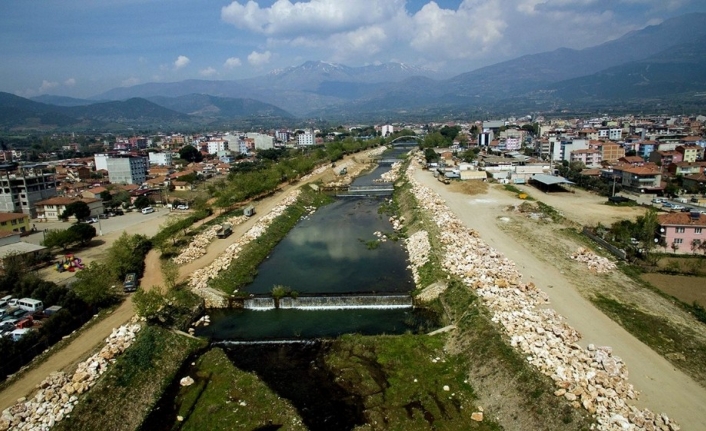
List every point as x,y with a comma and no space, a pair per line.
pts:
142,202
60,238
79,209
190,154
170,271
675,247
96,285
105,195
83,233
430,155
127,255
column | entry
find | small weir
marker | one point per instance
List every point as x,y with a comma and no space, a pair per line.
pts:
338,302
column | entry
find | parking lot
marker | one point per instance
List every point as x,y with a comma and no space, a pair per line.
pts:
133,222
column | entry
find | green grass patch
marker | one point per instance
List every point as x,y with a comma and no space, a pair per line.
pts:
226,398
126,394
550,212
400,381
674,343
243,272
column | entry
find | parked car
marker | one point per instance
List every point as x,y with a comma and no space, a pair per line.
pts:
130,283
103,216
118,212
677,207
666,205
182,207
147,210
8,325
686,209
657,200
92,220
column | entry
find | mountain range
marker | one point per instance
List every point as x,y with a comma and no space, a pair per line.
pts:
664,63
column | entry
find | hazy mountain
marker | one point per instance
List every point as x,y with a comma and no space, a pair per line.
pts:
20,113
531,72
299,89
203,105
678,69
62,100
135,110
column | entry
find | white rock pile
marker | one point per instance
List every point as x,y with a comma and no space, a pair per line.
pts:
312,174
199,279
390,176
397,223
594,262
58,394
418,249
199,244
591,378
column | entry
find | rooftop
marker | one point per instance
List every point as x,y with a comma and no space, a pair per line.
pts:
681,219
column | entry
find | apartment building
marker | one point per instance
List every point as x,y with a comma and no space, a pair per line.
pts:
127,169
160,159
612,152
21,187
680,231
305,139
590,158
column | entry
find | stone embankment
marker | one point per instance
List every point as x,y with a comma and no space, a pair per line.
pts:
199,244
590,378
391,175
593,261
58,393
418,249
200,278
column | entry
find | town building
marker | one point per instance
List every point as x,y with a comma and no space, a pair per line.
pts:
387,130
23,186
262,141
161,159
52,209
682,231
14,222
126,169
216,145
305,139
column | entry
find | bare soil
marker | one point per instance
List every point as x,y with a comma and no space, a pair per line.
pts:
541,252
686,288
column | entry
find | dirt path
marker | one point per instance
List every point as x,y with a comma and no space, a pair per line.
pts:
662,387
76,351
80,347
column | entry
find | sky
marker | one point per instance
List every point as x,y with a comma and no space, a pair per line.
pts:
81,48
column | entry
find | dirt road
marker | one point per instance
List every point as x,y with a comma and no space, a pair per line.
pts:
662,387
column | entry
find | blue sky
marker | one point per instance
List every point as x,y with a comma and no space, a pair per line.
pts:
81,48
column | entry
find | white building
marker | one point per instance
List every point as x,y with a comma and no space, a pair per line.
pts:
101,161
615,134
305,139
127,170
162,159
262,142
216,145
387,130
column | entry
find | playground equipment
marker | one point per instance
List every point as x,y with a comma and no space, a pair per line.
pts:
70,263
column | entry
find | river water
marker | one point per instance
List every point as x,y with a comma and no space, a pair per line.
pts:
333,252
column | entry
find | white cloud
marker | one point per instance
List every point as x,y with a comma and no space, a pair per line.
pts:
232,63
47,85
130,82
70,82
181,62
258,59
284,18
209,71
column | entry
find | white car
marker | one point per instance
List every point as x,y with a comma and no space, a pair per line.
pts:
182,207
677,207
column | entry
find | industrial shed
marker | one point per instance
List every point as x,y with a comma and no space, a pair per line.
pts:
549,183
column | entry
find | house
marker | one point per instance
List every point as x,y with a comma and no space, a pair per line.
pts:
52,208
665,158
687,168
14,222
10,245
690,153
639,178
695,182
181,186
680,231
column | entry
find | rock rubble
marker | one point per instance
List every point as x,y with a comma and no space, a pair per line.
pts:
200,278
594,262
199,244
58,394
591,378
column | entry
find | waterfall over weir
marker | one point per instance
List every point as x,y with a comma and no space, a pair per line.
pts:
347,302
